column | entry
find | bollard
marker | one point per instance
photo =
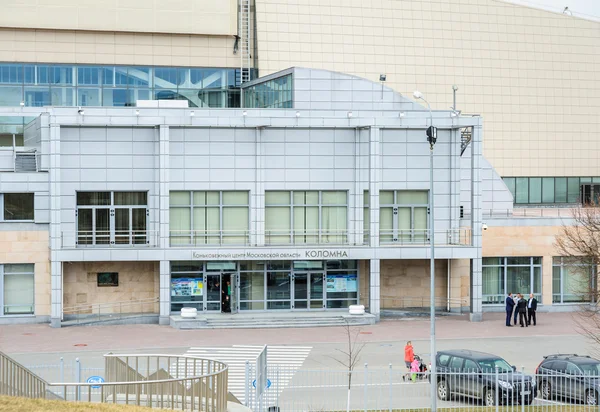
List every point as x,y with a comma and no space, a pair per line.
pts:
247,384
62,375
390,406
78,378
366,385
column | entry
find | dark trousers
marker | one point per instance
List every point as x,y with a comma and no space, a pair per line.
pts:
531,315
508,316
523,318
516,314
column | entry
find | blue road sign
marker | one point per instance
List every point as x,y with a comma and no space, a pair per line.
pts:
268,383
95,379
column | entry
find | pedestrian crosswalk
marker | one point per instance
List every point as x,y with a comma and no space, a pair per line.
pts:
286,360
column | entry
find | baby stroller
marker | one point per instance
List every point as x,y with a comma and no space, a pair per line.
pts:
420,373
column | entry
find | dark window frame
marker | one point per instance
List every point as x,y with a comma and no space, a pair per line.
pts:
107,279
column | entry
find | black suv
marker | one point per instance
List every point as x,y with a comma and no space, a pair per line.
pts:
481,376
569,376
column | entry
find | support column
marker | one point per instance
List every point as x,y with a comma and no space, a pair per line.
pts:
56,275
547,284
165,269
257,200
374,287
476,314
374,184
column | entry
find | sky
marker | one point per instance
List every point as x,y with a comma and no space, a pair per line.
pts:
588,9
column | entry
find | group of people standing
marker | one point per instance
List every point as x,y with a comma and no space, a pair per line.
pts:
522,308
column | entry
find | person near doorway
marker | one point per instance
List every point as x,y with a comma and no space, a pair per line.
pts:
510,304
522,308
226,297
531,308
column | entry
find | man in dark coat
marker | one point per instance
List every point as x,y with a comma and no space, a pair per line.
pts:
531,308
510,303
522,308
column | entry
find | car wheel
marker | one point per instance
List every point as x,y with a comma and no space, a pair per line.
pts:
489,397
591,397
546,390
443,391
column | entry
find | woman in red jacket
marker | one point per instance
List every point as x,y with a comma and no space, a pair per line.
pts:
409,354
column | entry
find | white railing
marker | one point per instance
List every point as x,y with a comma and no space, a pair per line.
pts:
526,212
110,239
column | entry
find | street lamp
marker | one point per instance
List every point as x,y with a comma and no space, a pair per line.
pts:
431,138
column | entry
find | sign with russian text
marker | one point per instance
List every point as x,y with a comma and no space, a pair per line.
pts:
341,283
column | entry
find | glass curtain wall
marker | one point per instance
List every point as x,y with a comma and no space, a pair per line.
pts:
306,217
90,85
511,274
573,280
272,285
553,190
12,129
275,93
209,218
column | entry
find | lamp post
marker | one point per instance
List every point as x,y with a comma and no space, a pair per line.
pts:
431,138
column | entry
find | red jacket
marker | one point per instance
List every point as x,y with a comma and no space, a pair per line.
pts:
409,354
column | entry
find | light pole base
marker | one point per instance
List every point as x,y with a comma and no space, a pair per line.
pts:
476,317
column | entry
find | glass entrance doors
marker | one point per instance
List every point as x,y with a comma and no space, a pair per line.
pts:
221,293
308,291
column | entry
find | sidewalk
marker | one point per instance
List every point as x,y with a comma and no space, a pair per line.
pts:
42,338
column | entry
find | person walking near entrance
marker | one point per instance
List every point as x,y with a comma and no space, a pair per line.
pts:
226,297
516,311
531,308
522,308
510,304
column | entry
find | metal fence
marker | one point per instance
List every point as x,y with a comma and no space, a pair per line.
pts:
183,382
395,389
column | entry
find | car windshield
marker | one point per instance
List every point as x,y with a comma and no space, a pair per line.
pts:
489,365
590,368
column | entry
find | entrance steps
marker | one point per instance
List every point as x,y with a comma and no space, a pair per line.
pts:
271,320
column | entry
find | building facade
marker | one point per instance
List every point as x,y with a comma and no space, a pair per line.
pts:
93,184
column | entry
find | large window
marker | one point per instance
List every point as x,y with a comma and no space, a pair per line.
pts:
209,218
306,217
511,275
403,216
112,218
90,85
17,289
275,93
553,190
17,206
573,280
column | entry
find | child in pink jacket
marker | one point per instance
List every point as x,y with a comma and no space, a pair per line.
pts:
414,368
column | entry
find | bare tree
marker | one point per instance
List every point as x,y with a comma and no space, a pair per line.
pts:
580,244
351,355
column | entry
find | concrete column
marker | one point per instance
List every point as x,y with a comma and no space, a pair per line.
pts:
459,283
374,185
374,287
257,200
547,281
357,201
56,280
476,314
164,266
165,292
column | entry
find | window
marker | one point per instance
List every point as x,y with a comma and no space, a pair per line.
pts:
18,206
455,364
572,280
17,283
403,216
306,217
85,85
108,279
470,366
443,360
553,190
112,218
511,275
209,218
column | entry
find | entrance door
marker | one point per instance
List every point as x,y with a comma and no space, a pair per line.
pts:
213,292
316,291
300,291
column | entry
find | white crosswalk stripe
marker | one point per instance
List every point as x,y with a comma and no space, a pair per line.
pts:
286,359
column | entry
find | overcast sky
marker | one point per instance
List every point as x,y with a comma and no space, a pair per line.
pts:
589,9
